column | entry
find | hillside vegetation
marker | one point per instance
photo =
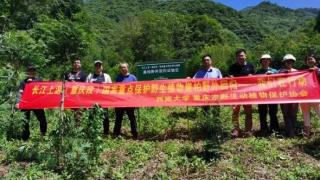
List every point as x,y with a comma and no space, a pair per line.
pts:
173,143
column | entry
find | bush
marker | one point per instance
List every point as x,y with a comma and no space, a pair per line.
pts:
154,121
78,148
11,120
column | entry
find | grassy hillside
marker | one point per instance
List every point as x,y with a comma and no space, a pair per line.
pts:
176,143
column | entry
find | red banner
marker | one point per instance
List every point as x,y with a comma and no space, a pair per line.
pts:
295,87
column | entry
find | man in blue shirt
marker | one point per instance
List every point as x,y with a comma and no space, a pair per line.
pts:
208,71
125,76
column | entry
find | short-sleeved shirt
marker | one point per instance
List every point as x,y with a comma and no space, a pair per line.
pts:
237,70
286,70
127,78
269,70
210,73
75,76
99,78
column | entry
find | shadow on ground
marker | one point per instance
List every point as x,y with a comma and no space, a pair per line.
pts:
311,147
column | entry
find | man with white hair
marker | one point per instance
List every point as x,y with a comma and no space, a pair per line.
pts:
125,76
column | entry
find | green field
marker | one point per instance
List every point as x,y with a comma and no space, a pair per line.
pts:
174,143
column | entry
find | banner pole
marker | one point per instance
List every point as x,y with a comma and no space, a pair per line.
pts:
139,126
62,96
60,134
188,120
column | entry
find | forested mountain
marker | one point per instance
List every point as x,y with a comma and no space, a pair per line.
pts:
251,24
228,17
51,33
175,142
312,11
181,37
272,18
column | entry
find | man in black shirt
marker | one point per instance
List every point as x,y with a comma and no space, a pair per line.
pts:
241,68
40,114
76,75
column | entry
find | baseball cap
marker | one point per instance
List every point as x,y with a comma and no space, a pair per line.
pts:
97,61
288,57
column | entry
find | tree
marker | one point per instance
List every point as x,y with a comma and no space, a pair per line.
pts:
317,26
20,49
46,33
23,14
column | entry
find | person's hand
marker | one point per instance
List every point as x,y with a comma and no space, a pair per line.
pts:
313,69
17,105
188,77
29,80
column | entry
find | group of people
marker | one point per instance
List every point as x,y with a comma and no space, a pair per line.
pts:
240,68
77,75
244,68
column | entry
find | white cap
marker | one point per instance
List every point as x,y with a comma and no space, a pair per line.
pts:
289,57
97,61
265,56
